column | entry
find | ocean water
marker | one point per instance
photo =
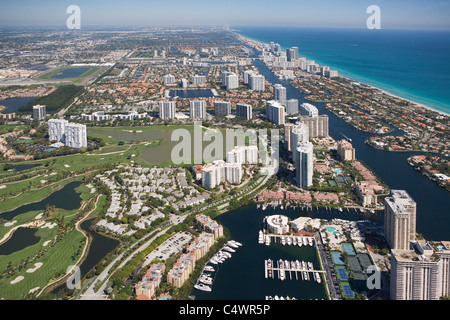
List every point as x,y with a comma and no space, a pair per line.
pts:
411,64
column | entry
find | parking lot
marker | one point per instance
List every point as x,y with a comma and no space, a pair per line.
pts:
169,248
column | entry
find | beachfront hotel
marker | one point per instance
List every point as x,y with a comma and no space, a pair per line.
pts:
399,220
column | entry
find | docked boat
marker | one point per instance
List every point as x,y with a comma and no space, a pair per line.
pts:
297,264
213,260
303,265
288,241
260,237
310,266
286,264
209,268
317,276
305,242
292,264
227,248
232,244
294,241
299,241
282,274
267,240
205,279
226,254
203,287
310,241
236,243
283,241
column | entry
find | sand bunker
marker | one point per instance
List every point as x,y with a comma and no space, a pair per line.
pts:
67,166
39,216
46,243
3,186
9,224
18,279
53,173
34,290
37,265
50,225
43,181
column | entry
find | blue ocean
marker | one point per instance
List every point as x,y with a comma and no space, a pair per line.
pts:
412,64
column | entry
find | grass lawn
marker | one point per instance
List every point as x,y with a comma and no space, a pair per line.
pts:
49,75
56,260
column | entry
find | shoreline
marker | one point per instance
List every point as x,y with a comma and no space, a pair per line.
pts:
414,103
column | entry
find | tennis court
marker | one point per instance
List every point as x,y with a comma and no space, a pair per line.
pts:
342,274
348,247
354,264
347,290
337,258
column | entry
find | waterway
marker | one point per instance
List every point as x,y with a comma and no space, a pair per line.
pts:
13,104
20,239
70,73
66,198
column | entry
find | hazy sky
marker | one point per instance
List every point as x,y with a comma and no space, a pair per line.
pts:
403,14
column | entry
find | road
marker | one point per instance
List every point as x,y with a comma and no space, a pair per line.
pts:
91,294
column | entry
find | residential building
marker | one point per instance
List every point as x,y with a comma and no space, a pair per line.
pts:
39,112
279,93
257,82
292,106
57,129
275,112
244,111
304,164
299,134
199,80
197,109
310,109
231,81
169,80
75,135
222,108
318,126
345,150
166,109
146,288
399,220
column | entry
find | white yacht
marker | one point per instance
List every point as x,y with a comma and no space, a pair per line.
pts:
282,274
227,248
310,241
310,266
260,237
267,240
288,240
283,241
299,241
286,264
205,279
305,242
236,243
203,287
317,276
232,244
209,268
294,241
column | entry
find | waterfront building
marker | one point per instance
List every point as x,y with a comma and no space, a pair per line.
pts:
197,109
299,134
166,109
57,129
278,224
146,288
318,126
75,135
244,111
304,164
257,82
199,80
366,193
399,220
243,155
210,225
279,93
331,73
275,112
169,80
231,81
292,106
421,272
345,150
39,112
310,109
292,54
181,270
222,108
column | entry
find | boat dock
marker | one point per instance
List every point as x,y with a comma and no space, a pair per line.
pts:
291,268
297,240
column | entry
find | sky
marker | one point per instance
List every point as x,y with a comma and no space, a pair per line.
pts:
395,14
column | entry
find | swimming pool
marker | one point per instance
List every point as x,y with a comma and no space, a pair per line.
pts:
337,171
330,229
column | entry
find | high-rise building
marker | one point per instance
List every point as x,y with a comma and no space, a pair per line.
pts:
245,75
345,150
199,80
275,112
300,134
292,106
331,74
224,77
166,109
243,155
257,82
197,109
169,79
287,144
184,83
318,126
310,109
75,135
57,129
305,164
399,220
244,111
292,53
232,81
222,108
39,112
219,171
279,93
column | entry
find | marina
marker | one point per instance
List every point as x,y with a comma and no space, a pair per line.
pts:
295,240
292,268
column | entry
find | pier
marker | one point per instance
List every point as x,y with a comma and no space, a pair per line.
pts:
297,240
291,268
